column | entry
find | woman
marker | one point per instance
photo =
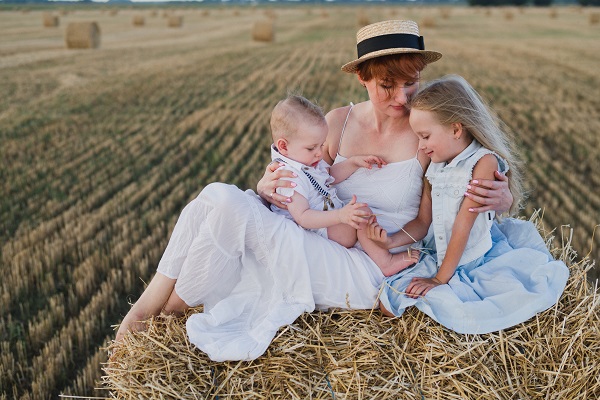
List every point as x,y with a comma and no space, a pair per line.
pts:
255,271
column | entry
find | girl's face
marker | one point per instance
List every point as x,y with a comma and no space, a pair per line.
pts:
440,142
391,97
306,146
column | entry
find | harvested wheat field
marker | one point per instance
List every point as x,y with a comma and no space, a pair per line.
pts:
102,147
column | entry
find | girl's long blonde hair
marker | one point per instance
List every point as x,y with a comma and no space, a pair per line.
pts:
453,100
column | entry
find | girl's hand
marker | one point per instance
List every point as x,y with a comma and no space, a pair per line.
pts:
494,195
377,234
354,213
271,180
420,286
368,161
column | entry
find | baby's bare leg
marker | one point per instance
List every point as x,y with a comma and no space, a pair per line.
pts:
342,234
151,302
388,263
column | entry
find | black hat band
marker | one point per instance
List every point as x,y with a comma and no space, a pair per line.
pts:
390,41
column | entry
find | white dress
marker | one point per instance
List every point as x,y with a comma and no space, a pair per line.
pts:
256,271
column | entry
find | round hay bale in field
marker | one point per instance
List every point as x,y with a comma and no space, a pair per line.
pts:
113,12
427,22
49,20
352,354
82,35
362,19
175,21
263,31
205,13
508,15
138,20
594,18
270,13
445,12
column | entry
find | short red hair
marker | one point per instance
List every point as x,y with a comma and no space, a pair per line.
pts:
392,68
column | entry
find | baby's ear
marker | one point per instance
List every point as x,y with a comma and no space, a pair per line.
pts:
282,146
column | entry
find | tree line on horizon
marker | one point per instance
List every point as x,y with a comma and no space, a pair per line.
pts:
478,3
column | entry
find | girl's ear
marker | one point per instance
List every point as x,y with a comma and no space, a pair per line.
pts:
282,146
457,130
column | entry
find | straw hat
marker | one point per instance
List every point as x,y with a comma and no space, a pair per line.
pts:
389,37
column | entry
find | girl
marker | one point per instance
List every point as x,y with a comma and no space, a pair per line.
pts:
464,141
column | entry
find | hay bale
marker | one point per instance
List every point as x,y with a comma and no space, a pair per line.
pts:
205,13
360,354
270,13
113,12
445,12
263,31
427,22
82,35
553,13
508,15
138,20
594,18
49,20
175,21
362,19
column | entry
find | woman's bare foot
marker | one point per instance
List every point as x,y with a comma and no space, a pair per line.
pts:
151,302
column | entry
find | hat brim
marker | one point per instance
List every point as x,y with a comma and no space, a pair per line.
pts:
428,55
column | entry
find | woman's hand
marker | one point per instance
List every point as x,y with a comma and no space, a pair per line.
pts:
377,234
271,180
420,286
494,195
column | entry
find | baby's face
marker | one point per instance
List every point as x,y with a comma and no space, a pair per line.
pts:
306,146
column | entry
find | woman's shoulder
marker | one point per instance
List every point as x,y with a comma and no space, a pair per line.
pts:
337,116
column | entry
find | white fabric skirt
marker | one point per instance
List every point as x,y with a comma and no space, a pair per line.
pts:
256,271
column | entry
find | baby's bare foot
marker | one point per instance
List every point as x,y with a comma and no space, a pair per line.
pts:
400,261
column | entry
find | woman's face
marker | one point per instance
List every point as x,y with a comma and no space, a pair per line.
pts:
391,98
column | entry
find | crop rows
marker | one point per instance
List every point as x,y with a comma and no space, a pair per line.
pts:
96,170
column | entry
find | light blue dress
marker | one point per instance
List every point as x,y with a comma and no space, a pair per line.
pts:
506,277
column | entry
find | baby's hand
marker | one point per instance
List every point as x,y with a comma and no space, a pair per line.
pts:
368,161
377,234
354,213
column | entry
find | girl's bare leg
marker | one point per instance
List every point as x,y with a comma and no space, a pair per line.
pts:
385,311
150,303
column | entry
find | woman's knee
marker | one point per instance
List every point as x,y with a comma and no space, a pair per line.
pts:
175,305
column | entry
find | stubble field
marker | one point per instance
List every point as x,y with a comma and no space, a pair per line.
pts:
101,149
